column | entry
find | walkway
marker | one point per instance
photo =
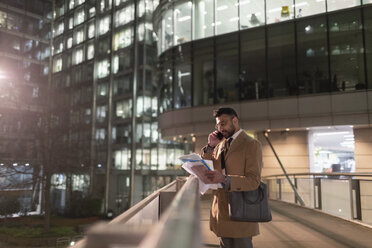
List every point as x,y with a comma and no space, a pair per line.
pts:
293,226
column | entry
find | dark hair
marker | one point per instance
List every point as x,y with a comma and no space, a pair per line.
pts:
224,111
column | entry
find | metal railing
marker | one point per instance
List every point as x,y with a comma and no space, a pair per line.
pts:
167,218
347,195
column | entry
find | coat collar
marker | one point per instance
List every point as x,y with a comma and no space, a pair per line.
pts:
235,145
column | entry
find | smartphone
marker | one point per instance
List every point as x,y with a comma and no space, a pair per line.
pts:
219,135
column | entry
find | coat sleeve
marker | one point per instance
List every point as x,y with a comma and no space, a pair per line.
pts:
204,155
252,169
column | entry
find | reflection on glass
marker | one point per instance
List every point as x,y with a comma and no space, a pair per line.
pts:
101,113
282,77
252,13
166,89
312,52
182,22
368,37
203,73
253,69
124,15
122,39
227,18
227,66
278,11
203,18
167,31
346,48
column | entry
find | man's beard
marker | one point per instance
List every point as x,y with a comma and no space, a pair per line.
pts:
230,133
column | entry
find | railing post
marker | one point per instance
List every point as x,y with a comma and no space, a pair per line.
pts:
317,193
357,206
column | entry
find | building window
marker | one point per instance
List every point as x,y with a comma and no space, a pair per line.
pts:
58,46
124,15
167,30
57,64
281,54
182,25
79,16
122,61
203,73
145,32
71,23
91,30
60,28
341,4
182,74
203,20
78,56
346,50
227,18
124,109
166,89
104,25
71,4
104,5
103,68
368,35
79,36
251,13
277,11
252,77
144,106
122,85
123,39
92,12
310,7
101,113
102,90
122,159
312,56
90,51
78,2
69,42
101,135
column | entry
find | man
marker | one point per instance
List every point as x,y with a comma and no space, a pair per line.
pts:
243,161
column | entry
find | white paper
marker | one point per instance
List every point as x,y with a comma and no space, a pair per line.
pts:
200,165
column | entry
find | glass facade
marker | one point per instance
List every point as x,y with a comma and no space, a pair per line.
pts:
328,52
196,19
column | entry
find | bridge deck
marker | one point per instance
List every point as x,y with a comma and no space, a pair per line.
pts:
293,226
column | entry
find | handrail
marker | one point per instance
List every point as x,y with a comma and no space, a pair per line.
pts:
180,225
349,174
124,217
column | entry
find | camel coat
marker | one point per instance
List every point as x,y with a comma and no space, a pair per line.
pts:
243,165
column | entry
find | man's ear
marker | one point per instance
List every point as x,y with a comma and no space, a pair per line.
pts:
235,120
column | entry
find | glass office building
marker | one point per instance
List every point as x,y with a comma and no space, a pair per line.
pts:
104,55
219,51
297,69
24,53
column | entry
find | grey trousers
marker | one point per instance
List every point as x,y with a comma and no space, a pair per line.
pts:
236,242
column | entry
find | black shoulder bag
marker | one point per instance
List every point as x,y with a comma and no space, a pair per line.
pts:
248,206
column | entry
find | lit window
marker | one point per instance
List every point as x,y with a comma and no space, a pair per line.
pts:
101,113
70,23
69,42
79,36
124,109
92,11
104,25
71,4
123,39
103,68
78,56
79,16
78,2
124,15
57,64
90,51
91,30
115,66
60,28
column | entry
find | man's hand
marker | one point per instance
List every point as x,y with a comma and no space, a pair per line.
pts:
212,139
215,176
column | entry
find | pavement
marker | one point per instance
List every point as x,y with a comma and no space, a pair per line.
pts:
296,227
